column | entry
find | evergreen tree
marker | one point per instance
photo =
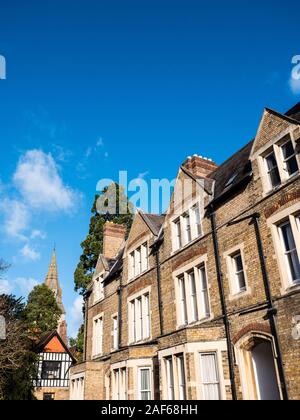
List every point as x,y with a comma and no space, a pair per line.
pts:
42,312
92,246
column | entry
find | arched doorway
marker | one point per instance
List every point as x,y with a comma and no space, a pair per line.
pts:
258,368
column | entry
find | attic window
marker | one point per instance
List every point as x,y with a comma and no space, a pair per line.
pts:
231,180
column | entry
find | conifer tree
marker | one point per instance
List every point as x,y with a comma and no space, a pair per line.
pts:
92,246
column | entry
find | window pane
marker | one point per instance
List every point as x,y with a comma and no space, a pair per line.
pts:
291,252
181,377
178,234
182,297
290,158
197,220
273,170
239,273
170,378
193,296
145,384
188,227
204,291
210,376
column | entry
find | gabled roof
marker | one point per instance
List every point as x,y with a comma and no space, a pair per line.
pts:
47,338
153,221
206,182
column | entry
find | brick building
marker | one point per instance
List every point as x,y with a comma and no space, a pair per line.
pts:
203,302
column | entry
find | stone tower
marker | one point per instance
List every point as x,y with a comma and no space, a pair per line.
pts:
52,282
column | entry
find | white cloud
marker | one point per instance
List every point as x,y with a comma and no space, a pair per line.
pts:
76,316
38,181
38,234
29,253
16,217
5,287
26,285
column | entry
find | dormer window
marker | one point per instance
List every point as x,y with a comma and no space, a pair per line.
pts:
138,261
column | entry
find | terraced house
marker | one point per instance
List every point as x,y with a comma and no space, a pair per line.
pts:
203,302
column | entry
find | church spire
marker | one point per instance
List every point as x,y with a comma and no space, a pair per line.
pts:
52,281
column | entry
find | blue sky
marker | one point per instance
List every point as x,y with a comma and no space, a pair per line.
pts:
94,87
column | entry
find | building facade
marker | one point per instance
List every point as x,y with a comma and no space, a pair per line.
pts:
203,302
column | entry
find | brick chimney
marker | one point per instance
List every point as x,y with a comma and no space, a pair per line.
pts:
113,239
200,166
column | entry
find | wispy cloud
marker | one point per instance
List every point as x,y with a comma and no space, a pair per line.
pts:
16,218
38,180
38,234
29,253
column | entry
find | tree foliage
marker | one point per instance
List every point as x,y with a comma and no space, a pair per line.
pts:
17,360
42,312
92,246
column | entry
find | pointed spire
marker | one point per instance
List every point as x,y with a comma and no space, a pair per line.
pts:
52,281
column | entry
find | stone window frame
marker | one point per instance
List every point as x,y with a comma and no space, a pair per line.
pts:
100,294
113,317
130,299
276,145
74,393
96,318
150,369
273,223
228,256
188,208
195,380
194,265
132,276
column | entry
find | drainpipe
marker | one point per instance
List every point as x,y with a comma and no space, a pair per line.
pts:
85,309
119,316
160,310
223,305
272,311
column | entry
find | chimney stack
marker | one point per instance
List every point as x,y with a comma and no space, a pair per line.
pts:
200,166
113,239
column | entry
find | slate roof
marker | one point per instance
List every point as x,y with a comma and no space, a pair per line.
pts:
153,221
